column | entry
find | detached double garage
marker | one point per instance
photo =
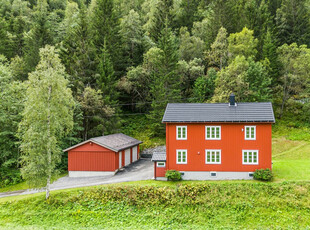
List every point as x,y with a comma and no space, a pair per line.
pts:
102,156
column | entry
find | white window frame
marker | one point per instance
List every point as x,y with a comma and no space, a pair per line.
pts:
212,173
160,166
250,163
213,150
181,150
182,138
250,127
213,126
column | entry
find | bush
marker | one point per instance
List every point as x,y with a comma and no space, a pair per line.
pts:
173,175
263,174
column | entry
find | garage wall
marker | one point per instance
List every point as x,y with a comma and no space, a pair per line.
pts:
91,161
91,157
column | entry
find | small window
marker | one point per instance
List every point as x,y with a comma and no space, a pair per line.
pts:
251,174
213,174
161,164
250,132
213,156
182,156
213,132
250,157
181,132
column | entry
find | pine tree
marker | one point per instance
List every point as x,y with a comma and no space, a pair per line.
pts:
105,28
47,117
78,54
38,36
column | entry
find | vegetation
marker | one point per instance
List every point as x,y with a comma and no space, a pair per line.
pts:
173,175
177,205
263,174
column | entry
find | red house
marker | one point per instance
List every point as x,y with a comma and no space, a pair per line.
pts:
101,156
207,141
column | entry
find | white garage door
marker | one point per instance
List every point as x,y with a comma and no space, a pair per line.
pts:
120,159
134,153
127,156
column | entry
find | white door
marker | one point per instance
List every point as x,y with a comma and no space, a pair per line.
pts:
134,153
120,159
127,156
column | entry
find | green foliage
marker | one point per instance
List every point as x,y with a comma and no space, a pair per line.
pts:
47,117
173,175
263,174
204,87
242,43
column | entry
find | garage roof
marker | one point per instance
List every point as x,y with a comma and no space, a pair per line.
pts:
219,112
115,142
159,156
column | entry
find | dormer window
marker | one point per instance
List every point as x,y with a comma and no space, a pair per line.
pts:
181,132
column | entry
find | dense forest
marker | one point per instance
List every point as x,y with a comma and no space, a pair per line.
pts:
111,60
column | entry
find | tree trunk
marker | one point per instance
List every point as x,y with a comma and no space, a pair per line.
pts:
49,154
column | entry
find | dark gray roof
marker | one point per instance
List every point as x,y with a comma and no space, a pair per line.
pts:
219,112
115,142
159,156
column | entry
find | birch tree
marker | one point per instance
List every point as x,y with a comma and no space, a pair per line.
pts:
47,117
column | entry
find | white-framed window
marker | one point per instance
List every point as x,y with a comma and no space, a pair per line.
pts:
213,156
250,157
160,164
250,132
213,132
181,132
181,156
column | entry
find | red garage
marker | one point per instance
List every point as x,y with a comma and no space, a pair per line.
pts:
101,156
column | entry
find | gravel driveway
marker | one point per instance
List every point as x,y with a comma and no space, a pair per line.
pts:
143,169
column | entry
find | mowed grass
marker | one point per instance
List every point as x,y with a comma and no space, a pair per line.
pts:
291,160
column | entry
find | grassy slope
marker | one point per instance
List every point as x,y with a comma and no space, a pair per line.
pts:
224,205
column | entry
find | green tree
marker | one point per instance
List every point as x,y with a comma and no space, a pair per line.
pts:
38,36
11,96
47,118
133,38
292,21
96,114
242,43
218,54
295,72
188,72
78,54
249,80
190,46
105,29
204,87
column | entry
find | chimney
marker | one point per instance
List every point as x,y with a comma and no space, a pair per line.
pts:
232,100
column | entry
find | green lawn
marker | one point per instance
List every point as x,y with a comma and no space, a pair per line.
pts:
291,160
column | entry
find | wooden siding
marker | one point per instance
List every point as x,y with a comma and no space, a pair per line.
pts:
91,161
231,144
159,171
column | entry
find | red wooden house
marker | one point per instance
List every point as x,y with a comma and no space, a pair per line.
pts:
102,156
206,141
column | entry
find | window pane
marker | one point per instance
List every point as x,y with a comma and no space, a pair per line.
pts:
250,157
217,132
255,157
213,156
217,157
213,132
245,157
208,157
179,132
184,132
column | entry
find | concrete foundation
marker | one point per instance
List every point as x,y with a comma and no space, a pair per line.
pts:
210,175
90,173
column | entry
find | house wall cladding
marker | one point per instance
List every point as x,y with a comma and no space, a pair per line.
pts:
231,145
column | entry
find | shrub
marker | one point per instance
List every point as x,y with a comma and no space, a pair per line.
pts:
173,175
263,174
